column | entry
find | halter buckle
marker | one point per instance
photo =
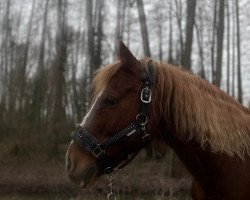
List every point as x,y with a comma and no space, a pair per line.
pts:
141,119
146,95
98,151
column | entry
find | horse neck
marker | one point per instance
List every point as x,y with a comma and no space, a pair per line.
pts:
184,127
200,111
212,170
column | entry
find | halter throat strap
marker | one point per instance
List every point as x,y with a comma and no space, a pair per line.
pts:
82,137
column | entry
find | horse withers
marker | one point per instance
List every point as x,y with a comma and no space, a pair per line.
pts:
135,101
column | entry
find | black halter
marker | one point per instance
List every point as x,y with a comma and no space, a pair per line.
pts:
87,141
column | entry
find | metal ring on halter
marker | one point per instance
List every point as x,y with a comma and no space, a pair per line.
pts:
142,119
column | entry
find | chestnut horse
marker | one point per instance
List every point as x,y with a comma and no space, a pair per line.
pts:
137,100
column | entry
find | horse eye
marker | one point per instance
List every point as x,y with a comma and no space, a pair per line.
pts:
110,101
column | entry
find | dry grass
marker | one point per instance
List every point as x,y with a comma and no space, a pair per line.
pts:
141,178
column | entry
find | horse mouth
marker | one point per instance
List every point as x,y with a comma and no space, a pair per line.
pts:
88,176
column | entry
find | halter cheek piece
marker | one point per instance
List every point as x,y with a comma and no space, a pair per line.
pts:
82,137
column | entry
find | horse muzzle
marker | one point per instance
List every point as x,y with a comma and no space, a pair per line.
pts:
85,178
82,174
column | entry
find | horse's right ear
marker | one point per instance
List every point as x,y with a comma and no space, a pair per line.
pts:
126,57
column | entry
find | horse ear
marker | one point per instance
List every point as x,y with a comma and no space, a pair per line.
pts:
126,57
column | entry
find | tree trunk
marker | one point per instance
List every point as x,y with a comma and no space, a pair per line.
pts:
220,38
199,33
214,41
118,35
129,22
76,108
238,53
191,4
228,47
99,34
4,62
178,12
24,61
160,35
59,115
95,34
170,47
38,89
233,51
144,29
90,28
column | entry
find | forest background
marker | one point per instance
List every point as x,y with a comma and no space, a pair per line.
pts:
50,50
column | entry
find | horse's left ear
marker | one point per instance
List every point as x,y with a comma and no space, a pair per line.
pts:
126,57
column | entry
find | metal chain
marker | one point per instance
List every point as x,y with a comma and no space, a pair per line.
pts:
112,177
145,136
143,127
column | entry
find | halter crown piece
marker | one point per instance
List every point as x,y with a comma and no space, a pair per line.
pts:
82,137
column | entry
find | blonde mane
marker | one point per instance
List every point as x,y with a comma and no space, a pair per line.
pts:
200,110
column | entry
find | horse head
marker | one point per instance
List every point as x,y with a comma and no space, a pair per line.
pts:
121,121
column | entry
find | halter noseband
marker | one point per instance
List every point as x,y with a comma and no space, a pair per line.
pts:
82,137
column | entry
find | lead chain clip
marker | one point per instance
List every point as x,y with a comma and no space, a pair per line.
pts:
112,177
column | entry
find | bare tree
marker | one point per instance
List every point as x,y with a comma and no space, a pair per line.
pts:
178,13
228,47
144,29
4,64
220,39
199,33
24,60
90,28
99,34
130,4
159,19
94,34
38,89
120,14
76,97
191,5
170,47
214,31
239,79
59,67
233,51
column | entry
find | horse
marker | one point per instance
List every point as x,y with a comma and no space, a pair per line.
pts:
135,101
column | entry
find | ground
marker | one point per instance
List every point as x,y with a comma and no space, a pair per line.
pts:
23,177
